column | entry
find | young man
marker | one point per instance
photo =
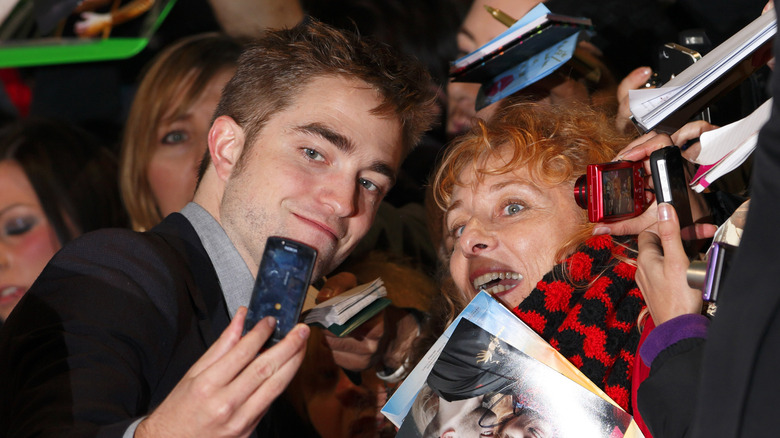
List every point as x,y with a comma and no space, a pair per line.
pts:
119,334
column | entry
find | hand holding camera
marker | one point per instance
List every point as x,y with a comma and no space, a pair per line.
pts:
640,151
662,269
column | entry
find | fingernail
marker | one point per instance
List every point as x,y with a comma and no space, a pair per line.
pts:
600,230
664,212
303,332
271,321
646,71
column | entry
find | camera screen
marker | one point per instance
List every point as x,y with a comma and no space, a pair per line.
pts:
618,189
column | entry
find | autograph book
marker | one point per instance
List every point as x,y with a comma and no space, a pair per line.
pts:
535,46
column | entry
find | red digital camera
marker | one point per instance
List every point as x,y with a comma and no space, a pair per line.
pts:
612,191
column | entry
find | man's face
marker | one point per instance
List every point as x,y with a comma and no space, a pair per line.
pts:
316,173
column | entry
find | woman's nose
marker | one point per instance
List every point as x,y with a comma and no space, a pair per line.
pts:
476,239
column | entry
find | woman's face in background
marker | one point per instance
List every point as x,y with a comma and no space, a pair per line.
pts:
477,29
507,231
181,143
27,239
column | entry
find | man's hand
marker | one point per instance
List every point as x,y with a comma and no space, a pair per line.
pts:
229,389
386,337
663,264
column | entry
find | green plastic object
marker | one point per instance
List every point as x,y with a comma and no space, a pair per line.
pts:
50,51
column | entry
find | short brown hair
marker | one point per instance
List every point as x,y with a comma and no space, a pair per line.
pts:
172,82
273,69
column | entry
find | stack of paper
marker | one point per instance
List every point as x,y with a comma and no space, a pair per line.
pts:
667,108
725,148
341,309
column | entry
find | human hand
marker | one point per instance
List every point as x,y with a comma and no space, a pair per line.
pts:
689,132
229,389
635,80
662,268
638,150
91,24
643,146
359,350
386,337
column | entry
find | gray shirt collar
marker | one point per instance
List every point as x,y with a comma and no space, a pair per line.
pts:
235,278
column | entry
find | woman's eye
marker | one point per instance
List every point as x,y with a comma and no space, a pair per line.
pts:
313,155
368,185
513,209
19,226
175,137
457,230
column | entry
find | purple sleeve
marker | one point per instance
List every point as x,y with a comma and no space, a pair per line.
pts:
671,332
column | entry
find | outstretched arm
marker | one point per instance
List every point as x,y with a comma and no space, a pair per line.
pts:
227,392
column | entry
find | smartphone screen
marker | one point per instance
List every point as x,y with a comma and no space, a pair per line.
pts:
280,288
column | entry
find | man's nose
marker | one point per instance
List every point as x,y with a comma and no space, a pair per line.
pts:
340,194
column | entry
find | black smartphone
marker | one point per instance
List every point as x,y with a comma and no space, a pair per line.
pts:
612,191
281,285
666,166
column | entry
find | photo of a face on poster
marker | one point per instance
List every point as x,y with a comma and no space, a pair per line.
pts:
482,386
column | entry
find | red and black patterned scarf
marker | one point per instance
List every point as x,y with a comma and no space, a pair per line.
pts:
590,314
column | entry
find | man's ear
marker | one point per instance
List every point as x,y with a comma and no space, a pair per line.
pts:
226,141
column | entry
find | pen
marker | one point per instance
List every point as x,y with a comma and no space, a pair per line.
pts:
501,16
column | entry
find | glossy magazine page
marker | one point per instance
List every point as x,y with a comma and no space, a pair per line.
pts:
490,373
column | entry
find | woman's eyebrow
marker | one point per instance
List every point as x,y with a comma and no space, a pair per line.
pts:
514,182
455,205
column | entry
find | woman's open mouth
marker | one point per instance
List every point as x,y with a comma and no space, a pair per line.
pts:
497,282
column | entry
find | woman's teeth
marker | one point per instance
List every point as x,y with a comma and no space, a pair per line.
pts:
491,282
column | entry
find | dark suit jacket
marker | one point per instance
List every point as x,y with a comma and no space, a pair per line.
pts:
112,324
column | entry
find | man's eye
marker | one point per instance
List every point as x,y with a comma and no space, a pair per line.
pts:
19,226
368,185
175,137
313,155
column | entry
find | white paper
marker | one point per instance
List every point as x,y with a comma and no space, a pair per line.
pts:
649,106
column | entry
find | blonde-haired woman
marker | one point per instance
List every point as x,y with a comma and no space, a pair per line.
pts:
165,134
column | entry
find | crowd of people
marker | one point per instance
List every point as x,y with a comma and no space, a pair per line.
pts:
127,261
